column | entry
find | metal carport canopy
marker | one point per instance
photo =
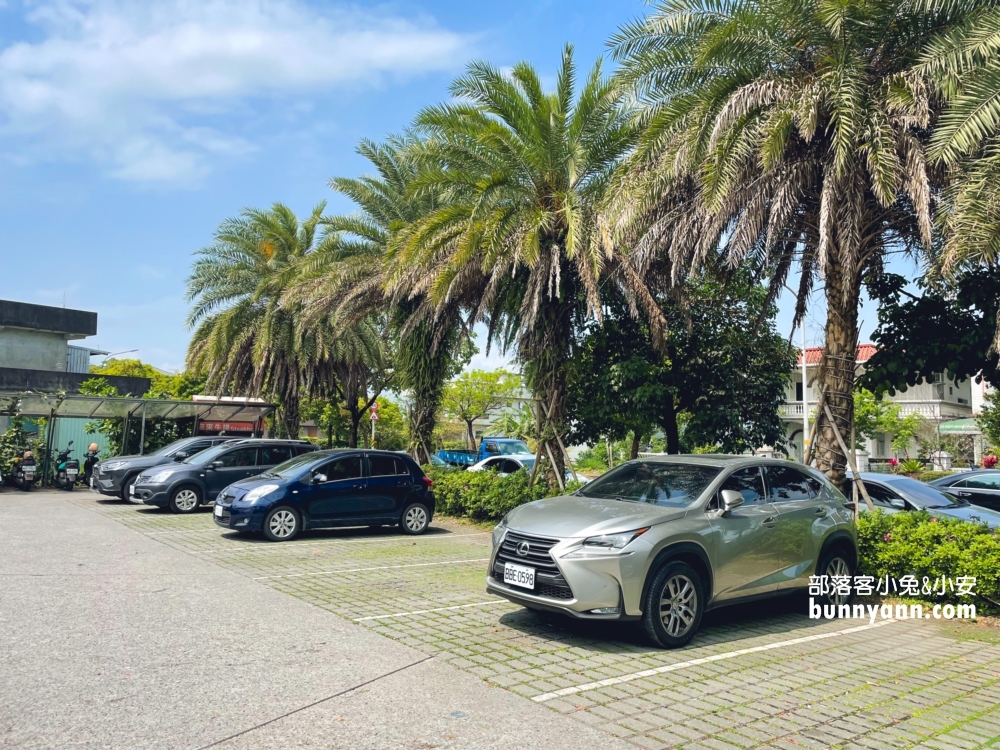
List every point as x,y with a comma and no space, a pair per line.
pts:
102,407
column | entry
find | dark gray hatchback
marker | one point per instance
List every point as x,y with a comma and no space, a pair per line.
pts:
198,480
113,476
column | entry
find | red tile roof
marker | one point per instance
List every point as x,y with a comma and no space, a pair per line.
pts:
814,354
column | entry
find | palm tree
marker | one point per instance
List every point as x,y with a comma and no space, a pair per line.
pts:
781,133
346,279
246,341
964,63
513,241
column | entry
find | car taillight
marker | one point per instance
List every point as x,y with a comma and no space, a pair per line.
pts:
428,481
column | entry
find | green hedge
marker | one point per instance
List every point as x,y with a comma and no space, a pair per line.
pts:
484,496
920,545
930,476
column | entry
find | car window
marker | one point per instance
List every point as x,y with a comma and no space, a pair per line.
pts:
197,447
749,483
170,449
348,467
514,447
292,467
881,496
386,466
300,450
509,467
669,484
983,482
239,457
787,484
923,495
272,455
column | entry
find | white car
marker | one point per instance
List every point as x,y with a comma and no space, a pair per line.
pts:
506,465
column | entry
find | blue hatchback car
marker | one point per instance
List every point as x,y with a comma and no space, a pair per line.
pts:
343,487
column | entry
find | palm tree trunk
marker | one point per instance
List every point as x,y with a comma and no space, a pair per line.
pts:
290,418
837,370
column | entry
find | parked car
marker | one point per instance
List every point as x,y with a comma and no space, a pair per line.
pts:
662,540
892,493
341,487
488,446
980,487
507,465
197,480
113,476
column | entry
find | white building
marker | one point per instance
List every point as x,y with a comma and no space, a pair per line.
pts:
940,400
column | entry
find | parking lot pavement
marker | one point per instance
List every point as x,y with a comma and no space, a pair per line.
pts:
755,676
112,640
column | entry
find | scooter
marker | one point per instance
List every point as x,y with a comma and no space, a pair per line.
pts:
89,462
66,470
24,472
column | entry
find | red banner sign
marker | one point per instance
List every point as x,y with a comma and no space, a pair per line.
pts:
227,426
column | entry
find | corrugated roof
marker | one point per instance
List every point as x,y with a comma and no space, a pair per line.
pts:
814,354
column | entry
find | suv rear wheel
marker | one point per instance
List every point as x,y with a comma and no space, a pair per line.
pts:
674,605
835,562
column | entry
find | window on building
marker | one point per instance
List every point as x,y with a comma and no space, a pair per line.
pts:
799,390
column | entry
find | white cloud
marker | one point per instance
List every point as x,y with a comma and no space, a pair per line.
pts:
137,85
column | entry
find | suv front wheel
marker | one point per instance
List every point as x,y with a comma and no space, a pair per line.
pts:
674,605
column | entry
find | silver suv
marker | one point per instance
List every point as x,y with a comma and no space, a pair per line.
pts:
663,540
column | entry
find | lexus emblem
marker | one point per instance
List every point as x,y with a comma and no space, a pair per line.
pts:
522,549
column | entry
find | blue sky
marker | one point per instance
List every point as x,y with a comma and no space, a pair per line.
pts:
130,129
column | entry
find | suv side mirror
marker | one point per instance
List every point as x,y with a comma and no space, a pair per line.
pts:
731,500
319,478
216,465
180,456
898,503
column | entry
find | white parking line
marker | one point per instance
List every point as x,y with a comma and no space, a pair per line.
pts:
381,567
331,543
704,660
425,611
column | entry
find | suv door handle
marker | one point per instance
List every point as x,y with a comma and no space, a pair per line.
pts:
821,512
770,521
358,486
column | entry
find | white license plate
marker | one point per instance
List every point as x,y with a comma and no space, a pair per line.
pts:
92,483
519,575
72,472
131,490
218,510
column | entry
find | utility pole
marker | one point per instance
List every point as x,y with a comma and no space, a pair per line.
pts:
805,394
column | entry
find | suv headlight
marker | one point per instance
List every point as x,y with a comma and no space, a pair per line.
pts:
258,493
112,465
606,543
159,477
498,531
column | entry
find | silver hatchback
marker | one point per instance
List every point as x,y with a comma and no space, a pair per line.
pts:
663,540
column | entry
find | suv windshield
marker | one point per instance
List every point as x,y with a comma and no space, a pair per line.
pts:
291,467
673,485
513,448
207,456
169,450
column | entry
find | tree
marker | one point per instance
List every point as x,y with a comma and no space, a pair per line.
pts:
723,375
989,420
328,417
780,132
515,242
964,64
950,328
246,340
181,385
391,428
473,395
346,278
875,414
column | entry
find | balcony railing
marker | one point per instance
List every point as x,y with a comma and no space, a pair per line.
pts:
792,409
928,410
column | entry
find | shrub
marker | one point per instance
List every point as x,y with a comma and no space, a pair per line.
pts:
910,466
927,547
930,476
484,496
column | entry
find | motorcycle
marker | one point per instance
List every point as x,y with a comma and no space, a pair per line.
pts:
89,462
66,469
25,472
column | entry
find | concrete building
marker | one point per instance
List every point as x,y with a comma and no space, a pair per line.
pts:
35,353
940,400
